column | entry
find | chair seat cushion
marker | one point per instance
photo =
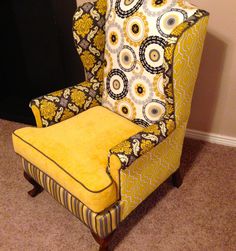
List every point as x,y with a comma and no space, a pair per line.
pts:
75,153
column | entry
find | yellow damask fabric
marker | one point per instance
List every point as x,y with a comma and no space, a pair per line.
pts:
89,37
74,153
150,171
187,59
60,105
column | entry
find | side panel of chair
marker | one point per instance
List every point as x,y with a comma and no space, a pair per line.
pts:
150,170
141,179
187,59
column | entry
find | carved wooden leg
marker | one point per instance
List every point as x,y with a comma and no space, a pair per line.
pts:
37,188
102,242
177,178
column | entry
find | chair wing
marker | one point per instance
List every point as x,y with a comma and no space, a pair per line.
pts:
89,38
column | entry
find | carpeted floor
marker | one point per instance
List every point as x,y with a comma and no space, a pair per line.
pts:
198,216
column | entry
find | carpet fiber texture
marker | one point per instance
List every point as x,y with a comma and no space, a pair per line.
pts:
200,215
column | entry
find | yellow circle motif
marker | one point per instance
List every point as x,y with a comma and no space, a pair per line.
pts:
136,29
116,84
158,84
113,38
126,108
154,55
140,89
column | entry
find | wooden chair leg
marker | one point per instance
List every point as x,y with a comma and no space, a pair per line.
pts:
177,179
104,243
37,188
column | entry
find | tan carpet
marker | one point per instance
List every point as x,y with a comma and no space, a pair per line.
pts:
199,216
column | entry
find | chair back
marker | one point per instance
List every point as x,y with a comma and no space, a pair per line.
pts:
137,33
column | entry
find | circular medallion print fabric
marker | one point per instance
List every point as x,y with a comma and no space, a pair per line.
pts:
151,54
126,108
137,32
170,20
117,84
154,111
141,90
136,29
127,58
114,38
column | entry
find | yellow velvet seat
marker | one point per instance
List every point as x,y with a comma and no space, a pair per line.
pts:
67,152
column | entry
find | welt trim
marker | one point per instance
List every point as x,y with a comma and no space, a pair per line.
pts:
99,191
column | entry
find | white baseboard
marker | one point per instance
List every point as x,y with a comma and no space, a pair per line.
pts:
211,137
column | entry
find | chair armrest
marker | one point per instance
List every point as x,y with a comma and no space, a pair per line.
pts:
66,103
125,153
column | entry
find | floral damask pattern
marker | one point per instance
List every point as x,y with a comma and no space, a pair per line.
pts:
60,105
101,6
134,147
83,25
89,37
48,109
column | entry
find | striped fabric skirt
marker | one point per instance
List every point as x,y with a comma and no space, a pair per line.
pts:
101,224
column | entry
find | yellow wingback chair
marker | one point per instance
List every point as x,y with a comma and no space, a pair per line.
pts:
102,146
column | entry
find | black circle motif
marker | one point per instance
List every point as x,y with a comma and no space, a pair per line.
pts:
135,29
140,90
124,110
130,11
154,41
119,82
113,38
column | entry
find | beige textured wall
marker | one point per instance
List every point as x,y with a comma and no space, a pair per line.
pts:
214,100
